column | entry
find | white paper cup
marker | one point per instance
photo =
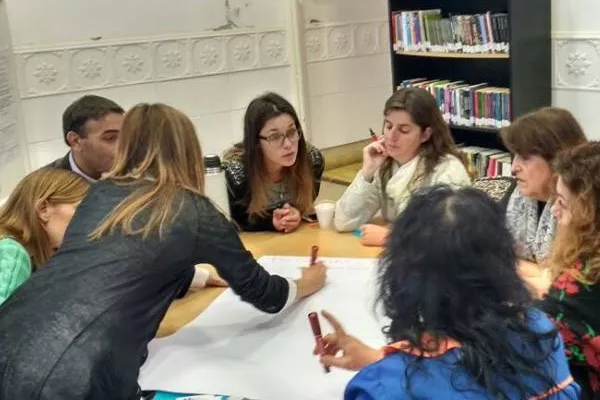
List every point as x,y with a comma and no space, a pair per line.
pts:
325,211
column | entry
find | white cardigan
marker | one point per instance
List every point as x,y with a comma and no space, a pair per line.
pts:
361,201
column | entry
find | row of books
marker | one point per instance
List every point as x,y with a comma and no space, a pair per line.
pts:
471,105
487,162
426,30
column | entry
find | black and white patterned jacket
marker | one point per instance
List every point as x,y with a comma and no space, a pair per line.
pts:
238,188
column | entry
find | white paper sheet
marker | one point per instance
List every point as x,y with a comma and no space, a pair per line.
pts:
234,349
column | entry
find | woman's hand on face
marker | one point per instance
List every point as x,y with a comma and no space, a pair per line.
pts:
373,156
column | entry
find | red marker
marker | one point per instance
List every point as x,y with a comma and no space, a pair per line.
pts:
313,318
314,253
373,135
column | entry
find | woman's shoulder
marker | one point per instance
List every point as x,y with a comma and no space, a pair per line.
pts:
499,188
539,322
234,167
14,254
451,170
382,379
234,154
451,161
9,244
316,157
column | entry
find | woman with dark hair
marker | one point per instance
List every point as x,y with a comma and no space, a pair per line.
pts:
415,150
461,321
274,175
535,139
574,297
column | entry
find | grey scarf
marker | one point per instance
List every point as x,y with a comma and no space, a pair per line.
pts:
533,237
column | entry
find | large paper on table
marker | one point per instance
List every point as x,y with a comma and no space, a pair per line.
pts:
234,349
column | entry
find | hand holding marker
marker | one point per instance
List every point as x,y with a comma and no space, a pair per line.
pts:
373,135
313,317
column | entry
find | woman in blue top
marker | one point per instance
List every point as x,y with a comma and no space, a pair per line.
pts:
462,325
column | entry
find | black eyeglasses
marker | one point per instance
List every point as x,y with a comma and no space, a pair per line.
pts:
278,139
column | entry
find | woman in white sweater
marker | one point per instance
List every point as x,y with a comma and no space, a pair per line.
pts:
415,150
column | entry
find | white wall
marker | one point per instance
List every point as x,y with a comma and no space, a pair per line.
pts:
209,58
349,71
576,69
13,153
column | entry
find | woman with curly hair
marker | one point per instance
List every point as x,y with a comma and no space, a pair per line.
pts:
574,296
461,320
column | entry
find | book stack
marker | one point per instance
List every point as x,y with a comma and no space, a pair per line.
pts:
487,162
470,105
426,30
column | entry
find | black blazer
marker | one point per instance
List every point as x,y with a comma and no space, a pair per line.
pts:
238,188
101,301
61,163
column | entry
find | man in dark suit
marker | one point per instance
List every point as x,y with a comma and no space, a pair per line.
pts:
91,126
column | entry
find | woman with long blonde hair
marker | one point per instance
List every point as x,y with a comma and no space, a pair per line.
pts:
33,222
78,329
574,296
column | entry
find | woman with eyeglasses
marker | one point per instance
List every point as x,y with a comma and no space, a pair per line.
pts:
274,175
416,150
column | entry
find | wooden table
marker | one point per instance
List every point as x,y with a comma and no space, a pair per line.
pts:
331,244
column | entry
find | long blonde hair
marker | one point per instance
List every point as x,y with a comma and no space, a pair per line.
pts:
158,146
19,215
579,170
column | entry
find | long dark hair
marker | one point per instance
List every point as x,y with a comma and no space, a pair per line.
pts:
424,112
298,177
449,271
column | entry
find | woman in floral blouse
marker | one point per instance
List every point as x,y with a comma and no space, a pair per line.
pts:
573,299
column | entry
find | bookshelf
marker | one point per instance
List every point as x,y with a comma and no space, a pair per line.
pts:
524,67
452,54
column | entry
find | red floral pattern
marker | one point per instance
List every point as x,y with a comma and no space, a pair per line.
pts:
582,344
591,350
567,283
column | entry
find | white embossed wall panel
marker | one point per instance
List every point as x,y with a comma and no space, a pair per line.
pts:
54,70
208,76
576,60
349,79
327,11
14,159
83,21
